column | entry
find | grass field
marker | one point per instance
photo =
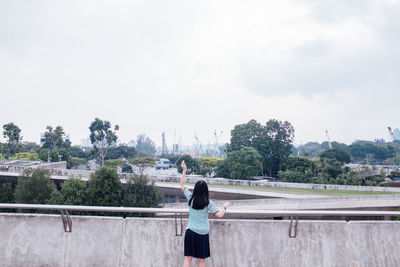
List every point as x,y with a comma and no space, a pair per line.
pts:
302,191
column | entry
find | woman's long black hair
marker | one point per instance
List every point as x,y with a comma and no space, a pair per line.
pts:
200,196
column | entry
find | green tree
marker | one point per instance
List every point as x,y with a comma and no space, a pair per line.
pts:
43,154
222,169
29,156
114,163
140,193
273,142
54,137
281,136
372,153
251,134
6,193
340,155
142,163
145,146
34,187
244,163
73,192
30,146
331,168
208,165
77,152
299,164
74,162
289,176
193,166
127,169
13,134
354,178
104,188
102,137
121,151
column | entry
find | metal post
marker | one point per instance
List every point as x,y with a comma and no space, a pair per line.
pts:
67,222
293,228
176,225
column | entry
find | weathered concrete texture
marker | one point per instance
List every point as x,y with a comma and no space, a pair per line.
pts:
371,202
39,240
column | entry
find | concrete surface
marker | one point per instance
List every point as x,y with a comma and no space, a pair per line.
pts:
39,240
233,193
371,202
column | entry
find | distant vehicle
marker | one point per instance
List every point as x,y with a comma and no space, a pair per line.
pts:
163,164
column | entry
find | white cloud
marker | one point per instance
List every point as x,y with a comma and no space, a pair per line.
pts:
190,67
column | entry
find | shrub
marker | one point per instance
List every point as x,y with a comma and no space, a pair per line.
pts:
35,187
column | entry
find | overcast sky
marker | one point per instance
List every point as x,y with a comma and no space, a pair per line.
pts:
198,66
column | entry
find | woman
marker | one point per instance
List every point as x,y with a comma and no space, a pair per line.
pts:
197,242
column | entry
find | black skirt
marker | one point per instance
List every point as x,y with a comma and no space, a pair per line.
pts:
197,245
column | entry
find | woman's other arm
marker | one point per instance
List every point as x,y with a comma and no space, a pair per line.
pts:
222,211
184,168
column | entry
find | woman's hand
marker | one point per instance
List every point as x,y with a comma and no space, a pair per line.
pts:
226,205
183,165
222,211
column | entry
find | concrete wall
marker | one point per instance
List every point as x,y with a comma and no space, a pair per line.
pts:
39,240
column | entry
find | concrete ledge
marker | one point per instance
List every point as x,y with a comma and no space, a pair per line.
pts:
39,240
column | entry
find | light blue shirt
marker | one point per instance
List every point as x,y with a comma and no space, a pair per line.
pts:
198,219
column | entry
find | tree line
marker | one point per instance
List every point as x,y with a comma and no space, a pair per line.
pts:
103,189
360,151
57,147
257,149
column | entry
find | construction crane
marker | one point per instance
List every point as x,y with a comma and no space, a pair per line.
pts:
329,139
196,146
391,134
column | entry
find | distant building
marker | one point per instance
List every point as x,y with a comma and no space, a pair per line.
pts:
396,133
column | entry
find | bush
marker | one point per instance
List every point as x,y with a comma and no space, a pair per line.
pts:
104,188
44,154
295,177
222,170
114,163
6,193
299,164
337,154
29,156
74,162
244,163
73,192
140,193
127,169
35,187
208,165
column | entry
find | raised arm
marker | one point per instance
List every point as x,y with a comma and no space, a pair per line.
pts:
184,168
222,211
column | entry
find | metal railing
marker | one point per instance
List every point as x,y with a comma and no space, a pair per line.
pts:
292,214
